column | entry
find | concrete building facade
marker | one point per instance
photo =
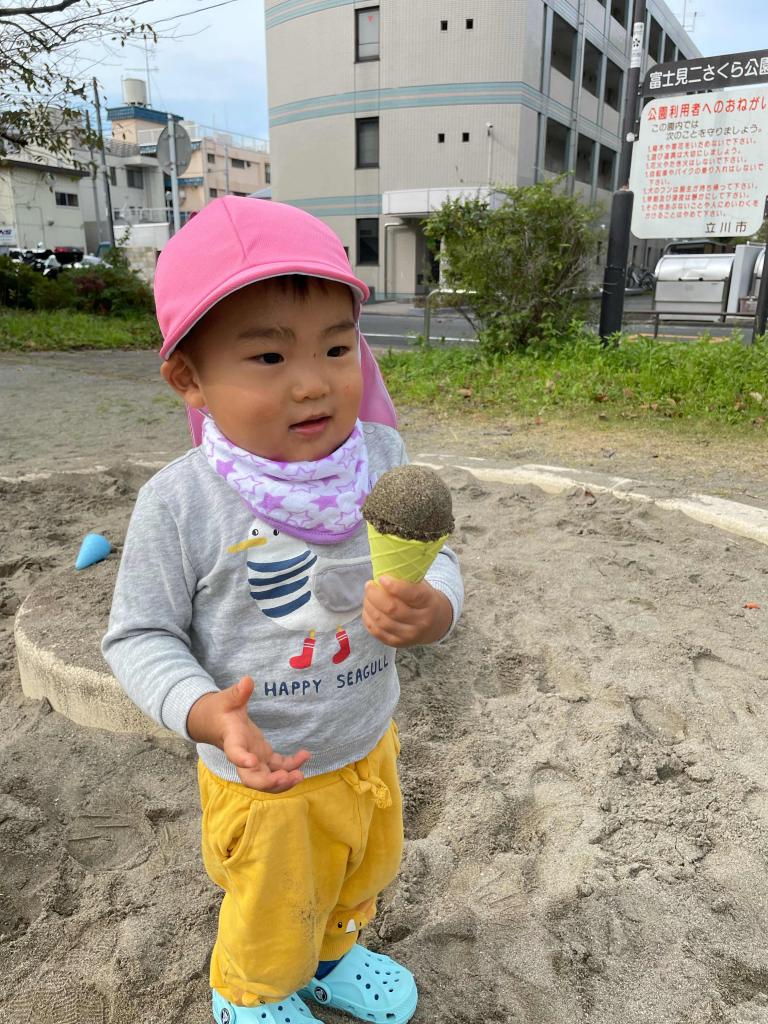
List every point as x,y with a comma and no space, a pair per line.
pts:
40,201
379,111
222,162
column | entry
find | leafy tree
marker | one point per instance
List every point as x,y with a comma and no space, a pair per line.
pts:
527,261
41,96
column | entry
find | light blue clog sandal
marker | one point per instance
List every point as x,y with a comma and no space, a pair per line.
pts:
292,1010
368,986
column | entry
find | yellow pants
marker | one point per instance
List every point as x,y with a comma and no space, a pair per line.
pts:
300,870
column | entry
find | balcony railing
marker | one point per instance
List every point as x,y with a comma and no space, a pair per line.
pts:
148,137
119,148
142,214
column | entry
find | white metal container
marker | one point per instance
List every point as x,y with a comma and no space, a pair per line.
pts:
693,285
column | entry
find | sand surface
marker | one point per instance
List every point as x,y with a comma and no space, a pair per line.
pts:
584,766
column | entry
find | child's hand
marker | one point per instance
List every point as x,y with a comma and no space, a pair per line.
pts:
222,719
402,614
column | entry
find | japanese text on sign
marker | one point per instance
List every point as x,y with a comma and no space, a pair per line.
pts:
700,166
735,69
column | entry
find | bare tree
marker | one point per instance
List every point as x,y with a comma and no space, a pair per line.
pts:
41,93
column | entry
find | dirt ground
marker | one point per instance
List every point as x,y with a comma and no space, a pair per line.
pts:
584,763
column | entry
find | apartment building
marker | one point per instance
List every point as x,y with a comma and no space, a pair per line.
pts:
380,111
222,162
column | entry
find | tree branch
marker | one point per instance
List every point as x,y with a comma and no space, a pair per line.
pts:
62,5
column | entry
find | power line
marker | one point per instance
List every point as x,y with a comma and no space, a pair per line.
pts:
197,10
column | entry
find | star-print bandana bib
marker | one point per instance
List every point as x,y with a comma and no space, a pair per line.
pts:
317,501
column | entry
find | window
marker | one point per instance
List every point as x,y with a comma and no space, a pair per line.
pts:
211,158
556,149
268,174
465,136
113,175
593,62
669,49
368,241
470,22
606,169
585,155
441,136
67,199
563,46
213,192
239,193
367,129
135,177
654,40
619,11
236,162
443,26
614,77
367,34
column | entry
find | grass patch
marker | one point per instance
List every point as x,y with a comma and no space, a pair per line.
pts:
64,330
700,382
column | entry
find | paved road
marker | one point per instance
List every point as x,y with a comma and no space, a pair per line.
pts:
397,328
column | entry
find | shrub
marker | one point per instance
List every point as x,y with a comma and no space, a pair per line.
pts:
16,283
113,288
526,261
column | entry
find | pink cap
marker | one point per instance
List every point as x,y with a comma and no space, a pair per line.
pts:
237,240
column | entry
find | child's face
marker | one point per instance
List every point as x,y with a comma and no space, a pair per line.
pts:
280,376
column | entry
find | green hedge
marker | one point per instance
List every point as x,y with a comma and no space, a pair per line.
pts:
111,288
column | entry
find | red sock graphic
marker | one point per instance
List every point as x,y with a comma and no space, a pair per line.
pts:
304,660
344,650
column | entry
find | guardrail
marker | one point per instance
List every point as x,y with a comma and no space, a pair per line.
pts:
686,318
683,317
428,305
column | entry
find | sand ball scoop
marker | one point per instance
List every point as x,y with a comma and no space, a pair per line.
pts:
409,516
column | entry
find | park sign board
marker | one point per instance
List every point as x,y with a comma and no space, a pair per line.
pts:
700,165
704,73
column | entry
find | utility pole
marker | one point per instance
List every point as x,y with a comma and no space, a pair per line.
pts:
104,168
614,281
94,174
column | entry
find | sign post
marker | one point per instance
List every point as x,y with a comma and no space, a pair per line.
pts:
174,151
761,312
615,278
701,165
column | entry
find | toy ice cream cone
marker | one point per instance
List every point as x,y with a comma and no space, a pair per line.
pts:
409,517
404,559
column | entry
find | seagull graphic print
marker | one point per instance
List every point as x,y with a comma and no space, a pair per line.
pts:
301,591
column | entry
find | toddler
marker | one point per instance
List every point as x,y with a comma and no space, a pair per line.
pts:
245,619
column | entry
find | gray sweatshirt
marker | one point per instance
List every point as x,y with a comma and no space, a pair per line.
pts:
191,616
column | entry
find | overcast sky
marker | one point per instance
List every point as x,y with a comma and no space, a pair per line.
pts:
211,67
